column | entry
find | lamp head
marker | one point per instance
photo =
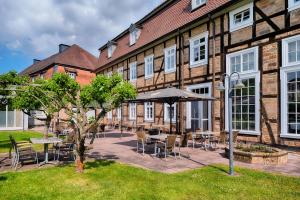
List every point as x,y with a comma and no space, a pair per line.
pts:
221,86
239,84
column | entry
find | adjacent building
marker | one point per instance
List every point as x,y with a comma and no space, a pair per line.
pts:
190,44
73,60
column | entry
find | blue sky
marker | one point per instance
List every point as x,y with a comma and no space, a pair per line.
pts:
35,28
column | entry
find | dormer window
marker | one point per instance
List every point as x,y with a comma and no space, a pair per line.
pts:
111,47
135,32
72,75
241,17
294,4
197,3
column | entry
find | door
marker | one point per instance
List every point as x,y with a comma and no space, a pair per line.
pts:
200,112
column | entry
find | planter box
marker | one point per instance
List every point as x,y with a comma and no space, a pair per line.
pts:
276,158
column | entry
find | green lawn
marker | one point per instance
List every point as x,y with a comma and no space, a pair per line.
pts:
108,180
19,136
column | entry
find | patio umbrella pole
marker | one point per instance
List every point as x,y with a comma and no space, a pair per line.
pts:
170,113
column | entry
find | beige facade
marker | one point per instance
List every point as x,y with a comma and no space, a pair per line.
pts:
273,21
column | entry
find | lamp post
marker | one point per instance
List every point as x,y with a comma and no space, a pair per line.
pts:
221,87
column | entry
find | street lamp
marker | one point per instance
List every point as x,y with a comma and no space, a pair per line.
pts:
221,87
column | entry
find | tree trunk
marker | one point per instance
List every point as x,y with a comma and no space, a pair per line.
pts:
47,127
80,148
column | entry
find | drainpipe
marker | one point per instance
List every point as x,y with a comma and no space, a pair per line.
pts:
214,74
181,78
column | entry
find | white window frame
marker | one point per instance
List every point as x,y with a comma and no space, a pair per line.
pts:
119,113
189,104
72,75
132,71
173,69
109,74
150,105
285,69
120,71
293,5
285,42
134,36
246,75
167,115
200,62
148,65
132,111
195,5
110,50
249,22
109,115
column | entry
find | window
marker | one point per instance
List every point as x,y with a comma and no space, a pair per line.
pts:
33,79
109,115
72,75
119,113
197,3
134,36
291,51
110,50
42,76
132,111
149,66
241,17
290,87
294,4
245,101
149,111
109,74
55,68
120,71
198,50
170,59
167,112
133,72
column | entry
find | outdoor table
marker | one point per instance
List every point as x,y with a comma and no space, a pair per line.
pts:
46,142
207,135
156,138
144,124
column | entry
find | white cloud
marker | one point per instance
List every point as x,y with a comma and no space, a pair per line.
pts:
36,27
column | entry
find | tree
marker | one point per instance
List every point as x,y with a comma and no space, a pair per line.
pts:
46,96
8,82
63,93
103,94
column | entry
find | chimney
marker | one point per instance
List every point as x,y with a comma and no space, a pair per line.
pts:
62,47
36,61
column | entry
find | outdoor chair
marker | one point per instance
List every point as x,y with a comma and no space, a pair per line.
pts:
66,148
168,146
22,151
143,140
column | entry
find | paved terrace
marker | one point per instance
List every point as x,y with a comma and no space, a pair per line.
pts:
123,149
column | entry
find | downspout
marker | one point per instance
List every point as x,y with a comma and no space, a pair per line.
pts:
181,79
214,74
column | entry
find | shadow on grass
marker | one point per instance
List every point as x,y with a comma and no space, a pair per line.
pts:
3,178
98,163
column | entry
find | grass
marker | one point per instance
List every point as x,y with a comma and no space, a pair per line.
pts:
109,180
19,136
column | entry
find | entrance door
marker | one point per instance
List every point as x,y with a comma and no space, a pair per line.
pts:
200,112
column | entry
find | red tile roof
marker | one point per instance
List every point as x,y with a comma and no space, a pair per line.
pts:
171,18
74,56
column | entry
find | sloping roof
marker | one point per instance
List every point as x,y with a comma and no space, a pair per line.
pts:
74,56
169,19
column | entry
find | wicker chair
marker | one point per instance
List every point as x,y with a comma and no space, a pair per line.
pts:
168,146
142,139
22,151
